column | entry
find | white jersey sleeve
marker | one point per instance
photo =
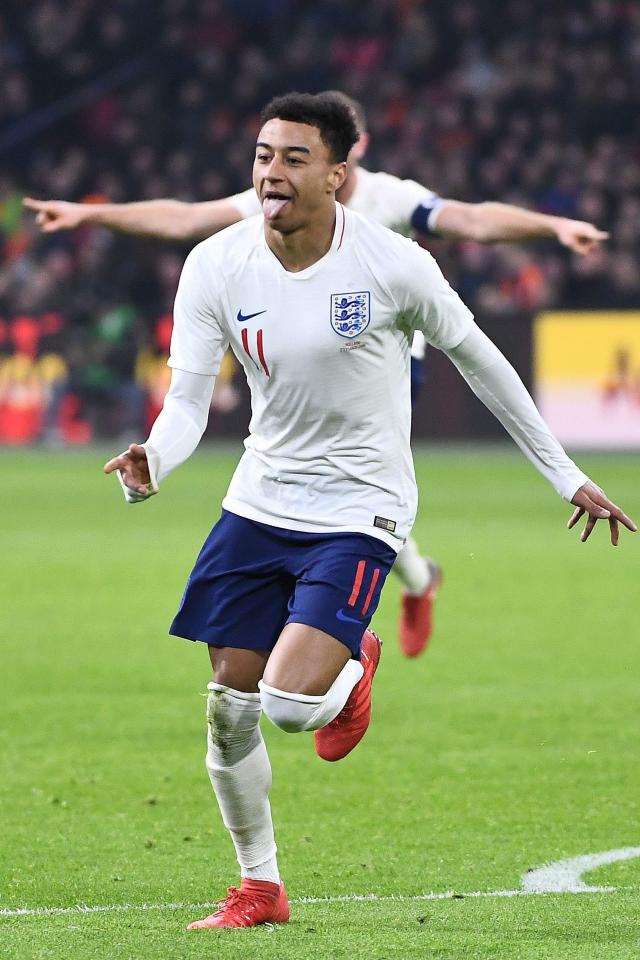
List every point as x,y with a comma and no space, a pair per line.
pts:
425,301
246,203
400,205
198,342
496,383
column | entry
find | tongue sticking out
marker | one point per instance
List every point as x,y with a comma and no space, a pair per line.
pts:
272,207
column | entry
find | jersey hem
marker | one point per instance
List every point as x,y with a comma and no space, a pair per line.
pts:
287,523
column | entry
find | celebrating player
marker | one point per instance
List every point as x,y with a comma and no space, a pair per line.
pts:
320,305
401,205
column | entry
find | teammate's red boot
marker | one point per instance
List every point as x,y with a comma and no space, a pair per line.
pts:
416,618
257,901
339,737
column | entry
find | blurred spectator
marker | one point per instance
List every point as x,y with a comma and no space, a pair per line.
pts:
100,378
537,104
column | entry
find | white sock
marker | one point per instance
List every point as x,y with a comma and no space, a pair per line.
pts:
240,774
264,871
412,569
295,712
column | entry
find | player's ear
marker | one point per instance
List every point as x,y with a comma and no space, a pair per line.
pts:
337,176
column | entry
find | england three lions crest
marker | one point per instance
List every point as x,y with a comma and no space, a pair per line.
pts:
350,313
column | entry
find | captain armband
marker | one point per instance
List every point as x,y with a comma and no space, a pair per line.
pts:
424,217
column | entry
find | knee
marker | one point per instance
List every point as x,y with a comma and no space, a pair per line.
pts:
232,719
291,712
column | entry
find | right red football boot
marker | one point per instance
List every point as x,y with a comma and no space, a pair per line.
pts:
257,901
416,618
338,738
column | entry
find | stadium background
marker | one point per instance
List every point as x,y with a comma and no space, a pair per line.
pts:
514,741
535,104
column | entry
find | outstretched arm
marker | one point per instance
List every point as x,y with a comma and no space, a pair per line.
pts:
166,219
490,222
495,382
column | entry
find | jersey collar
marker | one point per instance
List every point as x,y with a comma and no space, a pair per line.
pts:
338,242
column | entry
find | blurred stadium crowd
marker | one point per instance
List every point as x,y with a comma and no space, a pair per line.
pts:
535,104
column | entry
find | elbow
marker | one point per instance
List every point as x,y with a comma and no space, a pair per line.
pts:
182,225
466,221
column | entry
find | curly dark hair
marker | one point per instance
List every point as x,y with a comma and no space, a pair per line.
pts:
326,111
354,105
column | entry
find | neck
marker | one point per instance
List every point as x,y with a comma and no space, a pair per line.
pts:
305,246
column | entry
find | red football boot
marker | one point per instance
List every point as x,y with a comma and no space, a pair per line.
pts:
257,901
345,732
416,618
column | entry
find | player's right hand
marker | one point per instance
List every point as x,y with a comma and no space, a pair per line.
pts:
53,215
133,472
592,500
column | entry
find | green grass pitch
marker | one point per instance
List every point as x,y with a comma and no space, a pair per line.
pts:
513,742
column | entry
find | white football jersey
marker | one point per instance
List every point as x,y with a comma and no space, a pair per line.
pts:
326,355
381,197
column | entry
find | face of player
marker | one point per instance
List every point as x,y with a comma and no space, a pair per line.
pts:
294,174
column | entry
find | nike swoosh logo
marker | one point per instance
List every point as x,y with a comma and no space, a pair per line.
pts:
248,316
340,615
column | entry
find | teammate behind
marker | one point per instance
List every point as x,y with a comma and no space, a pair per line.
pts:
290,576
400,205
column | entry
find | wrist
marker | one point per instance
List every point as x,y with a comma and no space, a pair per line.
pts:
93,213
555,225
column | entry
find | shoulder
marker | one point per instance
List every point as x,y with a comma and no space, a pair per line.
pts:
239,236
371,235
230,247
397,262
216,261
390,184
394,262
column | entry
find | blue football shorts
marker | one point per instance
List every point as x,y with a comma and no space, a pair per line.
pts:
417,379
250,579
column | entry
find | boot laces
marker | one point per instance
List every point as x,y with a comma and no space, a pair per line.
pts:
234,894
241,900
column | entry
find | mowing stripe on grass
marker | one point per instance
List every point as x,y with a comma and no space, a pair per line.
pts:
562,876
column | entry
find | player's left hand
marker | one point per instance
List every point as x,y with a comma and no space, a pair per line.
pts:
579,236
592,500
134,473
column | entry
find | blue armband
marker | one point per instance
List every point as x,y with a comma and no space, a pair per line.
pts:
423,216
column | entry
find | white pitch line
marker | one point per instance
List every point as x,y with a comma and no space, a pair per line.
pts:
562,876
565,876
80,908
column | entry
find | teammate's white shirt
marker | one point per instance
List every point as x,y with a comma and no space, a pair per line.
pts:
326,354
381,197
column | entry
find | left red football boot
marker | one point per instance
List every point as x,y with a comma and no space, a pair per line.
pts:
338,738
416,618
257,901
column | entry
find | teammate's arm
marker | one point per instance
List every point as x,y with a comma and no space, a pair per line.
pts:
165,219
495,382
491,222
